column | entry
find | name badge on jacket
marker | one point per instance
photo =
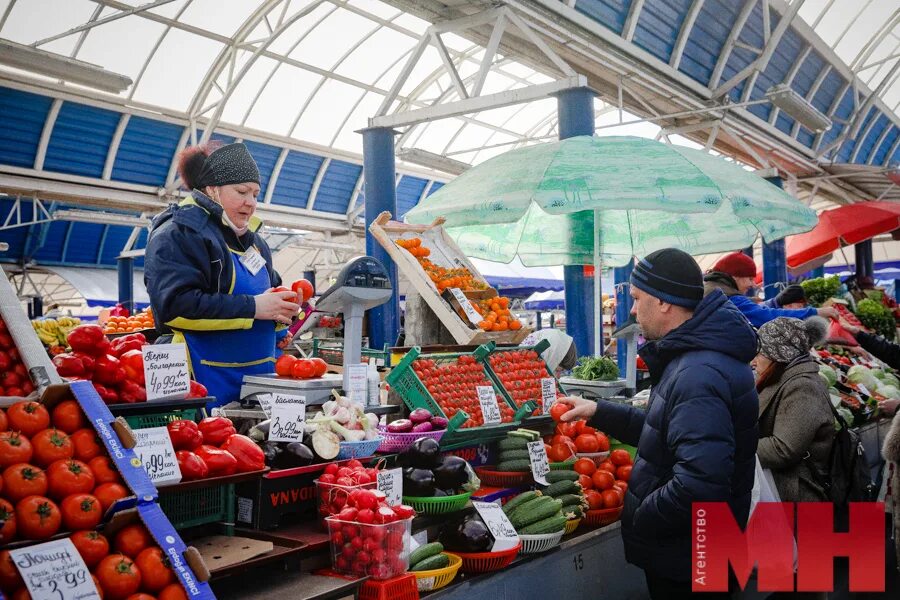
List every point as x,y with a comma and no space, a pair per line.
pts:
253,261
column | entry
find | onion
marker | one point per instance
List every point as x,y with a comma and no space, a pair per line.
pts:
422,427
420,415
439,423
400,426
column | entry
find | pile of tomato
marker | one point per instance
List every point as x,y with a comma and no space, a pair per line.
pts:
56,474
300,368
520,372
605,484
125,566
572,438
454,386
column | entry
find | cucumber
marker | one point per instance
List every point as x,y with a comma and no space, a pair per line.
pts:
571,500
520,500
554,476
513,443
515,465
526,434
552,524
425,551
438,561
560,488
535,435
573,511
563,466
529,513
508,455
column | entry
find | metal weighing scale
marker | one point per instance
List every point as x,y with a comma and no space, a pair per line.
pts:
362,284
627,333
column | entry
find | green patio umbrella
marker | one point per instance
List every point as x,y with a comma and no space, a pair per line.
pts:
548,203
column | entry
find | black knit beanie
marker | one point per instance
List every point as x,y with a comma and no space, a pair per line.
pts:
671,275
228,165
791,294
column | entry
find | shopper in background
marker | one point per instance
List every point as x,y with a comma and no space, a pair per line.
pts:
891,453
735,275
697,440
561,355
883,350
210,275
796,423
791,297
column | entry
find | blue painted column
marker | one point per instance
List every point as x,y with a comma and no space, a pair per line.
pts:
748,251
575,109
820,272
310,276
622,275
774,258
897,290
125,266
865,266
381,195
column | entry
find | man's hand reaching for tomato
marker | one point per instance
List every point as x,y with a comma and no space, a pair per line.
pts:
579,408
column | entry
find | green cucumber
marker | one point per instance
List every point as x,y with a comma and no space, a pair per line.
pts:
526,434
527,514
438,561
571,500
425,551
515,465
512,443
508,455
563,466
554,476
552,524
573,511
559,488
520,500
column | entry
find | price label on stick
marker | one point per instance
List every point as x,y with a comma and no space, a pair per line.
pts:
503,532
391,483
154,448
359,383
540,466
288,418
474,317
54,571
548,393
490,410
166,371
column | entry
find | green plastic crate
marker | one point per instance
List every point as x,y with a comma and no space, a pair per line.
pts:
493,350
162,419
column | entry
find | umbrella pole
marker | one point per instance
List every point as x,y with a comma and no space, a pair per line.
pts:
598,298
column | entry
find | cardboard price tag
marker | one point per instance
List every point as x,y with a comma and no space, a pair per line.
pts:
166,371
505,536
548,393
391,483
359,383
288,418
474,317
154,448
540,465
490,410
265,403
54,571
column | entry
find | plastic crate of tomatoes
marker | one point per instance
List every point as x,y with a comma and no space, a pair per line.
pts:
519,371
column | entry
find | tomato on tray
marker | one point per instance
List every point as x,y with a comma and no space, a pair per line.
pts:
118,576
520,372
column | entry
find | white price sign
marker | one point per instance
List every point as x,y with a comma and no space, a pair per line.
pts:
505,536
490,410
54,571
540,466
548,393
265,402
359,383
166,371
154,448
474,317
288,418
391,483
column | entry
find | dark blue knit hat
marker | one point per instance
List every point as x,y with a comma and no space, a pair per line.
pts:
671,275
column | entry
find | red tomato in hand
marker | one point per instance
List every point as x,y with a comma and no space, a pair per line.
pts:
303,288
558,410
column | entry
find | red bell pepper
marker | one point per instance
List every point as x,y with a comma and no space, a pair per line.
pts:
133,363
89,339
192,466
88,361
120,346
185,434
198,390
106,370
130,392
219,461
216,430
69,365
249,456
108,395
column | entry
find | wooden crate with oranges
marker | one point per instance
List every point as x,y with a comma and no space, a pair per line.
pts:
471,310
137,322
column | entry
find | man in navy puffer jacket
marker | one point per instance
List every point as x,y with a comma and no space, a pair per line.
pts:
696,442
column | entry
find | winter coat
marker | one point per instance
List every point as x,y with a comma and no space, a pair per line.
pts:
880,348
697,440
796,429
891,453
757,314
188,269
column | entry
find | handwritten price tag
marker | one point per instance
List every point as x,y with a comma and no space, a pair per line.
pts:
391,483
265,403
467,307
548,393
490,410
54,571
166,371
505,536
359,383
540,466
288,418
154,448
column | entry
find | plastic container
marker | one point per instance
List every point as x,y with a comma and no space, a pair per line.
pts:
602,517
435,579
363,449
503,479
571,526
404,587
597,457
398,442
391,539
485,562
532,544
438,505
332,497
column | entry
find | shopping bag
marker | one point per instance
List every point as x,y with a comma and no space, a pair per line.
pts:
764,490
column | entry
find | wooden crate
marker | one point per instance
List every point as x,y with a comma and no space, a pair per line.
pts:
445,253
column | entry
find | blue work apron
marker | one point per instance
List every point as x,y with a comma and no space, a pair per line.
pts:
220,359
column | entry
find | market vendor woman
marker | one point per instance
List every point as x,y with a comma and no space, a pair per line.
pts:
209,274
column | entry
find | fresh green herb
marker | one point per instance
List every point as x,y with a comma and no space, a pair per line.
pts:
820,289
596,369
877,317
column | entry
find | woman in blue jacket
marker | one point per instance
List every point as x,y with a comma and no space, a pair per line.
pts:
210,276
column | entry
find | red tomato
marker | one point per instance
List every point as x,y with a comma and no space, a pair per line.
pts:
602,441
303,288
620,457
283,365
37,518
603,480
118,577
51,445
587,443
91,545
303,369
586,482
607,466
67,416
558,410
560,453
623,473
28,417
8,518
567,429
585,466
612,498
594,499
81,511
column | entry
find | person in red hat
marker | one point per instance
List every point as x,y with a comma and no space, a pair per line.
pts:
735,275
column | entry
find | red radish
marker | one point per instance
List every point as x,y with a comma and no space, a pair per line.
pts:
344,472
363,557
327,478
404,512
348,514
331,469
344,481
357,543
354,464
385,515
367,499
366,516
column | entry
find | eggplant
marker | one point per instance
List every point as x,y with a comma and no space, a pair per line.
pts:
295,454
469,534
440,494
424,453
260,432
418,483
272,452
451,473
